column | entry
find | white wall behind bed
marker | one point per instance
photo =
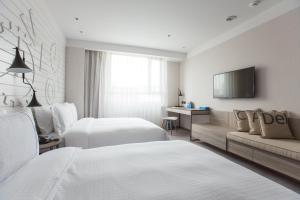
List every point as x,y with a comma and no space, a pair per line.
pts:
44,46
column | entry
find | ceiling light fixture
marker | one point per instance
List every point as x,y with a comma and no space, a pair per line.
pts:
76,18
231,18
255,3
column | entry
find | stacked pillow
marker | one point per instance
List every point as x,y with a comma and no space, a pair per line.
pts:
267,124
64,116
242,120
275,125
254,123
56,118
44,121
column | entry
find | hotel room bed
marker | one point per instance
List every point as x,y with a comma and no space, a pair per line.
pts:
172,170
160,170
97,132
91,132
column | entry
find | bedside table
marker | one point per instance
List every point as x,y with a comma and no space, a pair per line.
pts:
50,146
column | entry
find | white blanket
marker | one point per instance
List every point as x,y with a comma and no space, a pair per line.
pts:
90,132
166,170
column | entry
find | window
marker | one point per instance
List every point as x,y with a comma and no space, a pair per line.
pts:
134,86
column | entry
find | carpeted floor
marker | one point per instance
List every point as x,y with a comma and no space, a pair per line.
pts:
294,185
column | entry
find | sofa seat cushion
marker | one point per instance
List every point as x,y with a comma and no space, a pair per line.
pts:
289,148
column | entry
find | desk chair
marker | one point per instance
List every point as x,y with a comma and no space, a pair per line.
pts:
168,120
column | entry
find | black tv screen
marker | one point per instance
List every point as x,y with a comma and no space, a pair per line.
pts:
235,84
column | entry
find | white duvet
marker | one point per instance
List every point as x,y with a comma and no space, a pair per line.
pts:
166,170
91,132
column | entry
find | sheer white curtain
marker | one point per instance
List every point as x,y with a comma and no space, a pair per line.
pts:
133,86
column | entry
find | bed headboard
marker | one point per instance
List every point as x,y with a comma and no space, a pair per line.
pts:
19,142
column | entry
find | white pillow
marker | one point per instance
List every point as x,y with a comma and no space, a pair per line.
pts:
73,109
19,142
63,116
43,116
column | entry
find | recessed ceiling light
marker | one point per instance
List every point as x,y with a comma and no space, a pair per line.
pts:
76,19
231,18
255,3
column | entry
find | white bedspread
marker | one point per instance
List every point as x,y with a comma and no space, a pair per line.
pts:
90,132
166,170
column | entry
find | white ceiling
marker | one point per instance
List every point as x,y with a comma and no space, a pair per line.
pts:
147,23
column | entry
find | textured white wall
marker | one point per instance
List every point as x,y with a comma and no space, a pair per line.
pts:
44,46
274,48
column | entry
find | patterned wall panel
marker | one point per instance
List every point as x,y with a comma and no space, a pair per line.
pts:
27,24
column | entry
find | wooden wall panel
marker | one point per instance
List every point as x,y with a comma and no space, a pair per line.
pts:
27,23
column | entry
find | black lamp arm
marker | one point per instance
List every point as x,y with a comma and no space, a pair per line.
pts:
27,83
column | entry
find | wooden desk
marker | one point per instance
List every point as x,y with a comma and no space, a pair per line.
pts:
189,112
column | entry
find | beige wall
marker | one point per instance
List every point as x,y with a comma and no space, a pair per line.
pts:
173,82
75,77
274,48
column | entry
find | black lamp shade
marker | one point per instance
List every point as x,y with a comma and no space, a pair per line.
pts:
34,102
179,93
18,66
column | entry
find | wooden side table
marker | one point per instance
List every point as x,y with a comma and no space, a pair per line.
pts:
50,146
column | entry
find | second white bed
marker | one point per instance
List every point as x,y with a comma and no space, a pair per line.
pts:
91,132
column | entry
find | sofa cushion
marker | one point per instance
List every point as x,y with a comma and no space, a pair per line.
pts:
242,120
253,122
274,125
285,147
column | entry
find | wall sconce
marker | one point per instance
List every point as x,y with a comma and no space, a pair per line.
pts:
18,66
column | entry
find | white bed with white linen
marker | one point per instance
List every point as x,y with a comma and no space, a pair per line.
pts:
162,170
91,132
95,132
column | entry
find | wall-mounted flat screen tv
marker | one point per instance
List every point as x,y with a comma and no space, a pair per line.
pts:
235,84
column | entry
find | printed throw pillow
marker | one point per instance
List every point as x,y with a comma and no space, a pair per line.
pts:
275,125
242,120
253,122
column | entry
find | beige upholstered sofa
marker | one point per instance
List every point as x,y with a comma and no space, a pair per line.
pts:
282,155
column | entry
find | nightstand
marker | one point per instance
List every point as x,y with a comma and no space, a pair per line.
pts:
50,146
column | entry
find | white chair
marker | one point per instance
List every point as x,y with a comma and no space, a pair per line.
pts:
170,120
